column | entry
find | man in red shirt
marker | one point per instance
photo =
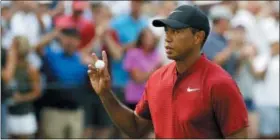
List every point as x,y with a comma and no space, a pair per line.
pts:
84,26
189,98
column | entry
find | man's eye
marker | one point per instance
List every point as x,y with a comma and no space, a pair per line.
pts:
176,31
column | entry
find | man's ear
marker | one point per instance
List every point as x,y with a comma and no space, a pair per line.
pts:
199,37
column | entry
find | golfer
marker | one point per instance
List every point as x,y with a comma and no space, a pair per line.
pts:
189,98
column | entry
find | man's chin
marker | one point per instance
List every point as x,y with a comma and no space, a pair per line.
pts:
171,57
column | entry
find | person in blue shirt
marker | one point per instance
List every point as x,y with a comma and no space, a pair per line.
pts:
66,82
217,48
128,28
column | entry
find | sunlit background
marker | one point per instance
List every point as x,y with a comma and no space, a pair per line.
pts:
46,47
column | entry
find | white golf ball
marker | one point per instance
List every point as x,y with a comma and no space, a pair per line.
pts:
99,64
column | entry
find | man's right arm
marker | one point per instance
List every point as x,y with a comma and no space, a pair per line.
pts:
46,40
130,123
124,118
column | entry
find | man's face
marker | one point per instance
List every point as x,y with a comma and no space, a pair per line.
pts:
224,25
181,43
255,6
44,8
27,5
101,14
77,13
4,13
237,35
69,43
136,7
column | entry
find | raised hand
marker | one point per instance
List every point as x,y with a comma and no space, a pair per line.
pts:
99,78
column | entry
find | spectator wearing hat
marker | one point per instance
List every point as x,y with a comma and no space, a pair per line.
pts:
66,77
83,25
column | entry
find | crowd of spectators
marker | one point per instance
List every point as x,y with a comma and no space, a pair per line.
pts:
47,45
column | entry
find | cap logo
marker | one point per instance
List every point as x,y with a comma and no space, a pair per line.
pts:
175,11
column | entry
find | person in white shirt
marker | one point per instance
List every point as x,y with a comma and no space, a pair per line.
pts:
45,15
26,22
269,111
255,35
249,19
268,99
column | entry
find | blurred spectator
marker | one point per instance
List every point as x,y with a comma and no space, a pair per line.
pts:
128,27
258,30
98,123
270,24
6,56
77,20
24,81
7,10
119,7
56,8
244,76
62,115
248,18
148,60
217,48
4,94
268,100
164,9
45,14
242,50
27,14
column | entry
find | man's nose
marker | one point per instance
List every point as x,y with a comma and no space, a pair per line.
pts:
168,38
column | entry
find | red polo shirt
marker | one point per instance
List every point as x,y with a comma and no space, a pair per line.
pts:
204,102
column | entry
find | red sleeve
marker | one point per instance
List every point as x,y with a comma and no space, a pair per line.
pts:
142,108
87,33
229,107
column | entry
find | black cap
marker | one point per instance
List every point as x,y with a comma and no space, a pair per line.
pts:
71,32
185,16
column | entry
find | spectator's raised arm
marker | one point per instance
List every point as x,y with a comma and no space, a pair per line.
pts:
46,40
114,48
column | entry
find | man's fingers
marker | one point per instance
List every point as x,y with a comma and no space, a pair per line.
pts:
91,69
94,57
105,59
